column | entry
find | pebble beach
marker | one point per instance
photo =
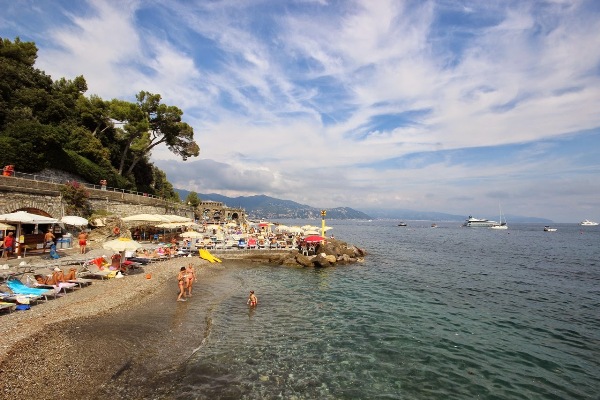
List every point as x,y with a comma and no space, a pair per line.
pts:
45,353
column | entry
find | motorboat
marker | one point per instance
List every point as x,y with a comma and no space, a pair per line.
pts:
434,225
588,223
548,229
402,224
479,223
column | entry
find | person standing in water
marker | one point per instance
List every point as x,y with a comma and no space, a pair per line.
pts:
252,300
191,276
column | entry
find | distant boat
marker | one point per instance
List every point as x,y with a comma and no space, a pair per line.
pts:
402,224
434,225
501,225
588,223
479,223
548,229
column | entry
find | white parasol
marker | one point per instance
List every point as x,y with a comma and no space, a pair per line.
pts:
74,220
24,217
192,234
121,244
146,218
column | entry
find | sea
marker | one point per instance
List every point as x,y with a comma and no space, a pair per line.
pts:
432,313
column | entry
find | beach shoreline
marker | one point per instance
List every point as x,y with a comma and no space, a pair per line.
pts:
54,350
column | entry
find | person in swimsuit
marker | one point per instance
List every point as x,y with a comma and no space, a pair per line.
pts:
191,275
48,240
82,242
252,300
182,281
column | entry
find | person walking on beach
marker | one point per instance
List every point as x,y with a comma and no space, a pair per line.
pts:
252,300
191,275
182,281
82,241
9,242
48,240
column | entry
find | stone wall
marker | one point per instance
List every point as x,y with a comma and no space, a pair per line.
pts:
18,193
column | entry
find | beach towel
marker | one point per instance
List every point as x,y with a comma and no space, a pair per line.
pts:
53,252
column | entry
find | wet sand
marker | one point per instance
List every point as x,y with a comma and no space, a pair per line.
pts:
120,338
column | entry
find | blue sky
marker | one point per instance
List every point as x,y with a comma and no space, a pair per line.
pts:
449,106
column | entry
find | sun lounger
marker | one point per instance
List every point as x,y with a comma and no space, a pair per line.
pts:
18,288
7,306
92,270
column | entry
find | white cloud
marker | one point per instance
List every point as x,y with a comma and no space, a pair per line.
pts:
291,103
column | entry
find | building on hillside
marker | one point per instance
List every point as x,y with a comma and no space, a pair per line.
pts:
215,212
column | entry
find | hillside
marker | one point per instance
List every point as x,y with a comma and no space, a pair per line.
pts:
265,207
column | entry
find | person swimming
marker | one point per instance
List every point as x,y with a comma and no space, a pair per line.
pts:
252,300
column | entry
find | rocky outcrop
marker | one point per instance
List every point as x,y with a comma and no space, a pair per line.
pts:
333,252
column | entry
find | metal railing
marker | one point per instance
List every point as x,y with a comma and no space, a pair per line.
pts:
49,179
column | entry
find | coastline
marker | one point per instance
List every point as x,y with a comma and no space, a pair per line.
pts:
65,347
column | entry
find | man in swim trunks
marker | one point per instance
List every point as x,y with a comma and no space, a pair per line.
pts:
252,300
48,240
82,242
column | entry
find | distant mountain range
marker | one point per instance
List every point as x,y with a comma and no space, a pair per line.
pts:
265,207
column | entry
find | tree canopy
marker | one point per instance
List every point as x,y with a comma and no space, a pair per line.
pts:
45,123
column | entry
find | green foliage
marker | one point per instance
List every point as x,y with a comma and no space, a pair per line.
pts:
193,200
162,187
76,197
52,124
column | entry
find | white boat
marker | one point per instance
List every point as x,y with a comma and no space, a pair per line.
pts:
501,225
479,223
548,229
588,223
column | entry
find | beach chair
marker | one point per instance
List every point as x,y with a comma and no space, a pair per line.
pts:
97,268
7,306
30,280
19,288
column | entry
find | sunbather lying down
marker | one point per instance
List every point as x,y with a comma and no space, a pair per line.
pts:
57,276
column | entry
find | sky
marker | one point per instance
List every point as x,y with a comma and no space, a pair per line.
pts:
450,106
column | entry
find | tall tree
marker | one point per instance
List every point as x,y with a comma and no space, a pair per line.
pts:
149,123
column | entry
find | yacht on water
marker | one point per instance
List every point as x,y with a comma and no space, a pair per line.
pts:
501,225
548,229
479,223
588,223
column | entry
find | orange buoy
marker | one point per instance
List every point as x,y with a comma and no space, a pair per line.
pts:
116,230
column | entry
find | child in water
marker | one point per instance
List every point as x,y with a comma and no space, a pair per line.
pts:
252,300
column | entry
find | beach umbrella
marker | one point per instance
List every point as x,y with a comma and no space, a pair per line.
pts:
314,239
296,229
24,217
171,225
74,220
283,228
6,227
121,244
311,232
146,218
176,218
192,234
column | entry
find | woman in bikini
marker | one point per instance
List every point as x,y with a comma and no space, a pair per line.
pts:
191,275
182,281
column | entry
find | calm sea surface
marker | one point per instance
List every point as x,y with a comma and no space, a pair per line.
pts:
432,313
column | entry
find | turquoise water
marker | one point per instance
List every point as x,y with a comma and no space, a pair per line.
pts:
444,313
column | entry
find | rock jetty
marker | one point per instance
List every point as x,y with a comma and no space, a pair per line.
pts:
332,252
